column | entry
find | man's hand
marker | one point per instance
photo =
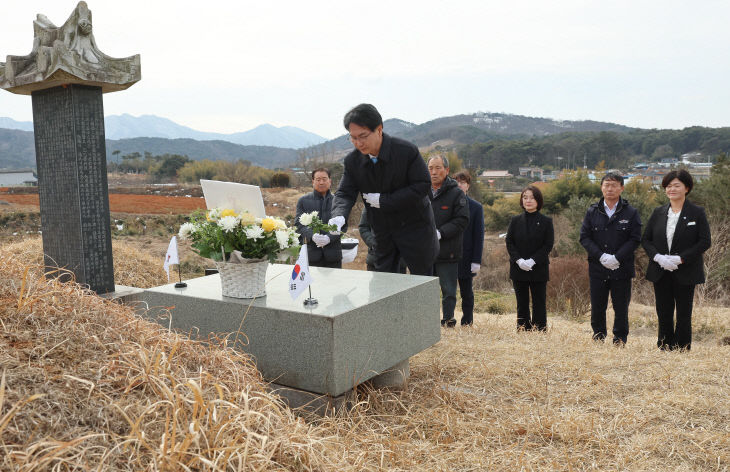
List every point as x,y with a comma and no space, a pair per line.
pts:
321,240
438,235
338,221
609,261
373,199
475,268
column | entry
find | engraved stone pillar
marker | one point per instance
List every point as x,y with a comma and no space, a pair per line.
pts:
72,183
66,74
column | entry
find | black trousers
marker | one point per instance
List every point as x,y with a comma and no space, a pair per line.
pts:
539,310
466,290
620,291
669,296
447,272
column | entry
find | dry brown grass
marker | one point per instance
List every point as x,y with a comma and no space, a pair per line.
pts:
131,266
87,385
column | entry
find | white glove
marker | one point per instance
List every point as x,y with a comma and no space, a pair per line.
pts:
321,240
438,235
372,198
530,263
665,262
339,221
676,259
523,265
475,268
609,261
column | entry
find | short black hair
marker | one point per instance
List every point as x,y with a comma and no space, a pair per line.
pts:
443,158
536,193
363,115
463,176
321,169
683,176
613,176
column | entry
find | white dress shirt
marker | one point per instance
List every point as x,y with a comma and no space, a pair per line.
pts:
672,219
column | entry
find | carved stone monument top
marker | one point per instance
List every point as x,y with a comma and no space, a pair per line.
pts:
67,55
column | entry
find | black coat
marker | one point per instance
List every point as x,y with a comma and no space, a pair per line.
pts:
619,235
691,239
308,203
473,241
367,235
404,218
451,215
535,245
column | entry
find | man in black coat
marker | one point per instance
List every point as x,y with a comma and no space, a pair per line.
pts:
394,183
451,214
610,233
324,250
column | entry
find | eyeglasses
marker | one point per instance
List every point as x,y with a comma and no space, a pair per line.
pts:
361,138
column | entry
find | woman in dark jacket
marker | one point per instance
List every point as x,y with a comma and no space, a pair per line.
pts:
675,238
529,241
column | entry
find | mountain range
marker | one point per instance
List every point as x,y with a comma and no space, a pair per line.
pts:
273,147
150,126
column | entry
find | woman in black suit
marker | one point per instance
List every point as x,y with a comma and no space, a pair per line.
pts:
530,238
675,238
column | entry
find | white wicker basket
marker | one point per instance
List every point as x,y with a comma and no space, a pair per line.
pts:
245,280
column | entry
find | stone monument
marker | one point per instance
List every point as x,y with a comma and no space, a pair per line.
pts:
66,75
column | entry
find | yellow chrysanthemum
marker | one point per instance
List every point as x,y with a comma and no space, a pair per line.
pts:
228,212
268,224
247,219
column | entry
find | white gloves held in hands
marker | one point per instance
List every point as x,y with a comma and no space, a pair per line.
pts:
373,199
321,240
526,265
609,261
667,262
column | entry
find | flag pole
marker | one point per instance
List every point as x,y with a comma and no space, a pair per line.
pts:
180,284
310,301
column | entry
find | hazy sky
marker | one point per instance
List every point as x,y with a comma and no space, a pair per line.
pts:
229,66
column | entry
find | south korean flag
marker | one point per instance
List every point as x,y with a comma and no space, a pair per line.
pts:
300,277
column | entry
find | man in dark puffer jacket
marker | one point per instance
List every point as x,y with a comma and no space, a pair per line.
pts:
451,215
324,250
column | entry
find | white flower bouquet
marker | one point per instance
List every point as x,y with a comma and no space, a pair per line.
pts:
313,221
219,232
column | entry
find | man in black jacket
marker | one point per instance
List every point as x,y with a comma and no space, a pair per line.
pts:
451,214
610,233
394,182
324,250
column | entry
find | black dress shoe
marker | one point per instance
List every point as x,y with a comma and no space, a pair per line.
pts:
450,323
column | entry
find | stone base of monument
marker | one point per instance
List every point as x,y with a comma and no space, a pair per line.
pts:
122,293
365,327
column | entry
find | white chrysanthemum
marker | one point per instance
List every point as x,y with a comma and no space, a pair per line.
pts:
282,237
186,229
254,232
214,214
280,224
306,218
228,223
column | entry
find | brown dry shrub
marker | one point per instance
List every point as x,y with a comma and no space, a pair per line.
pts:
132,266
494,274
568,291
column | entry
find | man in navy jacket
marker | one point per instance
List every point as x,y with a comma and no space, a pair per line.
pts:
473,243
610,233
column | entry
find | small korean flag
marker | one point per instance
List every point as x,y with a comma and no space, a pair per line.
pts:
300,277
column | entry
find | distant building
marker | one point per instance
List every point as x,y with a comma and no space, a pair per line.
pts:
534,173
495,174
17,178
